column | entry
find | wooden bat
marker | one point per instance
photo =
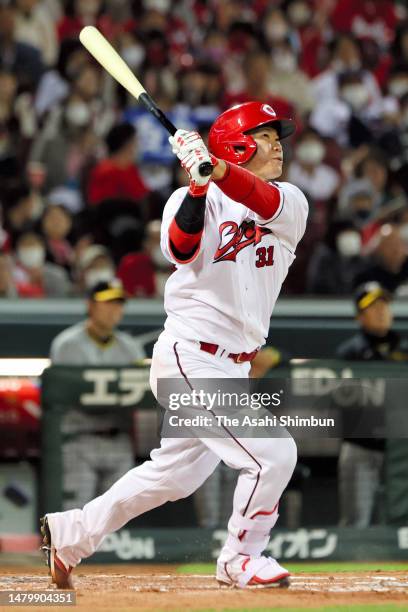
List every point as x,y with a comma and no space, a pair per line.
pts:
109,58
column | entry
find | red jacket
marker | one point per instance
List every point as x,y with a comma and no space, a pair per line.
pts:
107,181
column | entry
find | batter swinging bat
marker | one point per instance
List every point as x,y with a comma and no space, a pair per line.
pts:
110,59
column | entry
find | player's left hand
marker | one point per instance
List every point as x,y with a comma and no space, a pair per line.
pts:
192,152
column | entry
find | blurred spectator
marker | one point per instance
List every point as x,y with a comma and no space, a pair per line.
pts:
387,262
358,202
375,19
374,168
21,210
144,274
56,225
67,144
258,86
80,13
21,59
308,170
94,265
361,460
36,27
55,83
310,20
333,112
336,261
287,80
34,277
7,286
117,176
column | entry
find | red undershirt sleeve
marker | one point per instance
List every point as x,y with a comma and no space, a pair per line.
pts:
243,186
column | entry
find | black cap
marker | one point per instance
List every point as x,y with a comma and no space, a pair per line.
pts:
369,293
108,291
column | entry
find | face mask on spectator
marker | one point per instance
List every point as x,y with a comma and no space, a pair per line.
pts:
286,62
78,114
92,277
299,13
133,55
398,87
311,152
355,95
276,31
31,257
348,243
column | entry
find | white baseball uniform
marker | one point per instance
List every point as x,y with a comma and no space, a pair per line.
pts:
224,296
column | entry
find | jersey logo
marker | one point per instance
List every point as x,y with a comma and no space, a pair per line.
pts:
234,238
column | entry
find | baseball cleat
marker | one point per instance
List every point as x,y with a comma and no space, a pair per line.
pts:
60,574
252,571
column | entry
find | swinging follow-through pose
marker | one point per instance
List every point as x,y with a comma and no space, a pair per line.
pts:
232,236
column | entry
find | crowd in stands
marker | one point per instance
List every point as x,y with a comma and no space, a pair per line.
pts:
85,171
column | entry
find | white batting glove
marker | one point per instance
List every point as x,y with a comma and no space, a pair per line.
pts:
192,152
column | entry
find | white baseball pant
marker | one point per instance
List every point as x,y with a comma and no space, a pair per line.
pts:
179,466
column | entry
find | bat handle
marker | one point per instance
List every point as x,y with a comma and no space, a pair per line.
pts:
205,169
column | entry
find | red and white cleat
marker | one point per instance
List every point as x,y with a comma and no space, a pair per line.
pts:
60,574
243,571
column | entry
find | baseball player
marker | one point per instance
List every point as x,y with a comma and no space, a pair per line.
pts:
232,237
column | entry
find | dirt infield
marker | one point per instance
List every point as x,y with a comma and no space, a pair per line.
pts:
159,588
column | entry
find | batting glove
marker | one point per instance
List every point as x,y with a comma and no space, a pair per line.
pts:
192,152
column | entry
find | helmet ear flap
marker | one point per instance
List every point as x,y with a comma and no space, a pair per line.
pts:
241,149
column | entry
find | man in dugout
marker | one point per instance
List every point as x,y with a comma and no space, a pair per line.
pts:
361,460
97,447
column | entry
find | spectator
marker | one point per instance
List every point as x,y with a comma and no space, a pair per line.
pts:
375,19
286,80
55,83
257,86
20,210
361,460
331,114
336,261
7,286
80,13
358,202
67,143
387,261
35,27
99,448
95,265
56,225
19,58
374,168
308,170
117,176
33,276
144,274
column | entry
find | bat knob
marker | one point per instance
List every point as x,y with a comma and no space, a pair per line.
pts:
205,169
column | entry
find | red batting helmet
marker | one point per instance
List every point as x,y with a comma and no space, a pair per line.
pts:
228,138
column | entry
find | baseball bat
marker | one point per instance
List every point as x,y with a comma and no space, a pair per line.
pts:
109,58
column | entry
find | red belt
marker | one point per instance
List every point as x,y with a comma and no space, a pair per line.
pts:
236,357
